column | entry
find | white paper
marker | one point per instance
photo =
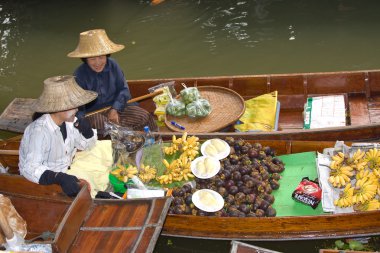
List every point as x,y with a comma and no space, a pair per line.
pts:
137,193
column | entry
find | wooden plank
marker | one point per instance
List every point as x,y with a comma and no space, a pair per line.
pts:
72,221
358,109
19,108
336,82
17,115
127,222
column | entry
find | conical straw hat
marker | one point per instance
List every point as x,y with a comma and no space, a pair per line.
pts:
62,93
94,43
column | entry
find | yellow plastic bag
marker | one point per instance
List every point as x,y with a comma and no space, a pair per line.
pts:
93,166
260,113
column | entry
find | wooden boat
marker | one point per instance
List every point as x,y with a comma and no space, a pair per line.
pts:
361,90
278,228
240,247
84,225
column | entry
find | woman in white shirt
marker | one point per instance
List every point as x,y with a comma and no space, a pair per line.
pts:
51,141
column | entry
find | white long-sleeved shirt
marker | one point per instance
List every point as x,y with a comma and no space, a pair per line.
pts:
43,148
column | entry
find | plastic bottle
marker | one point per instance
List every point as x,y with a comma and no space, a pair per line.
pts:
149,138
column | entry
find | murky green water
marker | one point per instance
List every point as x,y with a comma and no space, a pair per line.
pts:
181,38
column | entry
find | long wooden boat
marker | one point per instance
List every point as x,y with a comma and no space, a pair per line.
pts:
84,225
361,90
278,228
240,247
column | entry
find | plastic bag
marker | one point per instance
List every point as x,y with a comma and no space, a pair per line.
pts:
198,108
161,101
125,143
176,108
190,94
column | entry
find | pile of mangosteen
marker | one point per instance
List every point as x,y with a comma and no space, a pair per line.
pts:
245,181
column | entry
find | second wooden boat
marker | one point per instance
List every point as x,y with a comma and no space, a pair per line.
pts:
361,90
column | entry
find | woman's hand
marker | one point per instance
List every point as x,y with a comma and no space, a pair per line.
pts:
113,116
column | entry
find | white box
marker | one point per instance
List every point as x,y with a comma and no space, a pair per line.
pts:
138,194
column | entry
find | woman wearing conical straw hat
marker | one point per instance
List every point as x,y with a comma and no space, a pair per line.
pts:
50,142
100,73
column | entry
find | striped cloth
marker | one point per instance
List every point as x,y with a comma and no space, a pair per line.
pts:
133,117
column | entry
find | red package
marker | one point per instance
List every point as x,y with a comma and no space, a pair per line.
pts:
308,192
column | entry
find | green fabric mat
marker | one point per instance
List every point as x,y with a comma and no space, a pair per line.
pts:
297,166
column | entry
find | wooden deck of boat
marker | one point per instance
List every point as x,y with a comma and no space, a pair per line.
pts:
362,89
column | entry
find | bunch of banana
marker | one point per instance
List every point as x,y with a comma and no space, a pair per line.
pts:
174,146
188,146
362,174
147,173
165,179
357,160
175,175
359,165
341,176
177,170
369,205
345,197
365,190
356,157
123,174
372,157
337,160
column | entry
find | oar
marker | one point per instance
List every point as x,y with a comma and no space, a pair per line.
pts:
9,152
153,94
27,121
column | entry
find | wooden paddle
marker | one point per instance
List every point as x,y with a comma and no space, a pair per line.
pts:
18,114
153,94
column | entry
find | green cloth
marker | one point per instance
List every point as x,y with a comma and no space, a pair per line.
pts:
297,166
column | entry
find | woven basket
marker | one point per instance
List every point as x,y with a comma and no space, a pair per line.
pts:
227,106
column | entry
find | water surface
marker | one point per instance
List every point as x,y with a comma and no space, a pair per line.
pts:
183,38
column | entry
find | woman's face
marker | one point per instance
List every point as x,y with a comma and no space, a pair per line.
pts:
97,63
64,116
68,115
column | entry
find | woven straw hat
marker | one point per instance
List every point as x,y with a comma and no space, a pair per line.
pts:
62,93
94,43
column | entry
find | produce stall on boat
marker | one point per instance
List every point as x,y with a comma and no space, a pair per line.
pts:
360,90
249,192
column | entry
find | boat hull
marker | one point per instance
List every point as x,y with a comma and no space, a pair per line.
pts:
273,228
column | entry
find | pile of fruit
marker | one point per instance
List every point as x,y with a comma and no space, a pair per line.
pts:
245,181
359,175
182,152
124,173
